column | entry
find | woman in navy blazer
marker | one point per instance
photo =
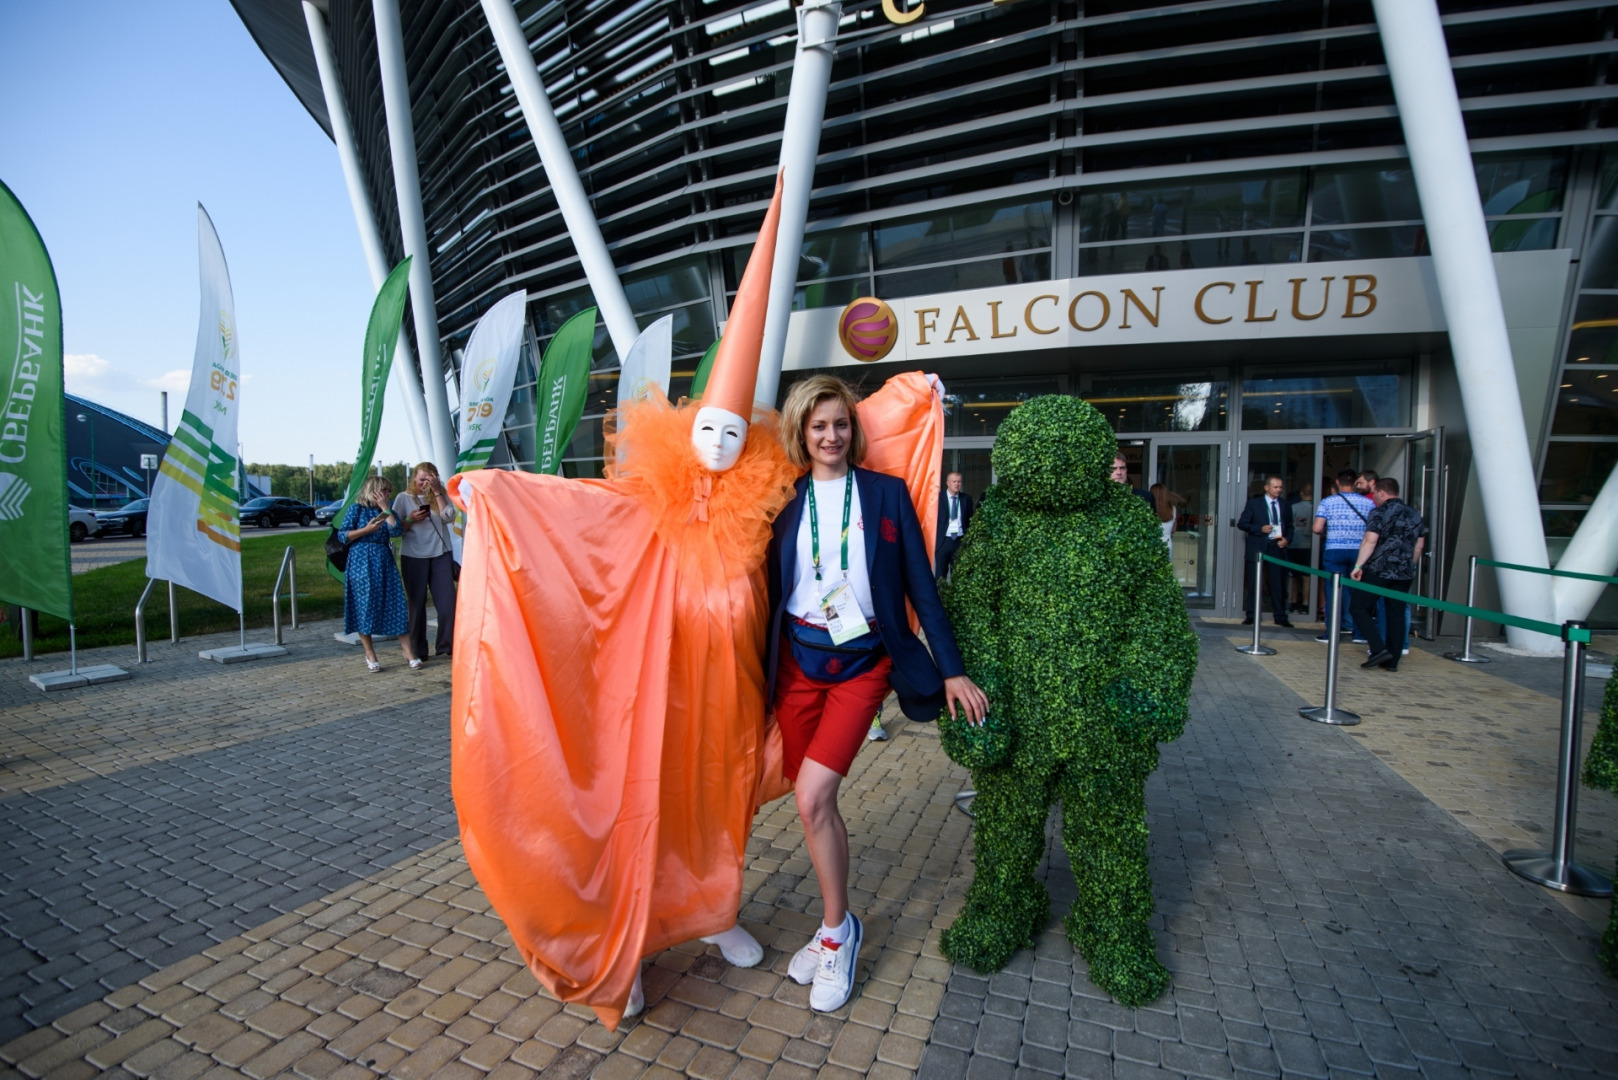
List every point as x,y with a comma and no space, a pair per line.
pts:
824,694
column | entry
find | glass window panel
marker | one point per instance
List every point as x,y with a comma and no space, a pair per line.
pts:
962,234
1215,204
583,469
1160,402
1351,194
667,286
1273,399
1521,183
1190,254
693,327
1008,270
1587,403
977,406
1601,255
1594,339
1388,242
1608,199
829,293
1575,471
1523,234
825,255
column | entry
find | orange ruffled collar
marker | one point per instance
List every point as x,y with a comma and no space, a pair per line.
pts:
650,456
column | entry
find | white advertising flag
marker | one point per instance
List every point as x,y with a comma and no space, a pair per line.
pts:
649,362
488,370
193,525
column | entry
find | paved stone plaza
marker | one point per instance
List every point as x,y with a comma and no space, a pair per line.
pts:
255,871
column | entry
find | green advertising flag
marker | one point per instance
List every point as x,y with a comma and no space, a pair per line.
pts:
381,335
699,382
37,569
563,378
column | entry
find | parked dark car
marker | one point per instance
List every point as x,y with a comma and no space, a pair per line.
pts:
129,519
267,513
325,512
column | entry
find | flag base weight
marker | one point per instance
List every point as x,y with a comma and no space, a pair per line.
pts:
94,675
236,654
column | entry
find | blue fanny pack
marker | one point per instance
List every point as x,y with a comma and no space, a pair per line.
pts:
823,661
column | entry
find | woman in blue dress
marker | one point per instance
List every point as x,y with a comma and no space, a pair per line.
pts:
373,595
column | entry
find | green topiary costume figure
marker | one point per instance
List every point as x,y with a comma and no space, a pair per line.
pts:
1601,771
1068,616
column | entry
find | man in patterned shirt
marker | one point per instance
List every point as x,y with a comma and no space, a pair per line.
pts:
1395,536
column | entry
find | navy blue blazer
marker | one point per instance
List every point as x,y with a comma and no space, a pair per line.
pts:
1256,515
896,560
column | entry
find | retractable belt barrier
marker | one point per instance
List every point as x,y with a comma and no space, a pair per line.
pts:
1554,868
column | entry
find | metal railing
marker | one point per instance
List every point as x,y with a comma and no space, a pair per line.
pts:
140,620
289,572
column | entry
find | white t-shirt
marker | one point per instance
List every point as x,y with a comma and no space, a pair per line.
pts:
805,599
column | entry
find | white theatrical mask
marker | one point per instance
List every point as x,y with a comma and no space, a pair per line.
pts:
719,435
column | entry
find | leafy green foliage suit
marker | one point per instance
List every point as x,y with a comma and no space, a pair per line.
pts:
1068,616
1601,771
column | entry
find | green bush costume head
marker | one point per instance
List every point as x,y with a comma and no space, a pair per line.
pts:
1069,617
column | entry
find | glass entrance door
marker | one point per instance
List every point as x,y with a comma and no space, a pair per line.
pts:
1424,489
1297,462
969,456
1193,475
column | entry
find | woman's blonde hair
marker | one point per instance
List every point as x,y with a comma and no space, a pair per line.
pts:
802,400
371,488
426,467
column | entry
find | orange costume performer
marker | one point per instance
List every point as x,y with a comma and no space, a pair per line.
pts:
609,740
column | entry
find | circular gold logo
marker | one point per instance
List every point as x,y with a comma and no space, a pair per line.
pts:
868,329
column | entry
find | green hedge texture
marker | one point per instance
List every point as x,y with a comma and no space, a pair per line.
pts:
1068,615
1601,771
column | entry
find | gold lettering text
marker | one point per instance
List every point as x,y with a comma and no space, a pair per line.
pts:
1073,311
899,18
1252,305
1297,295
1368,294
1149,316
1028,315
1202,292
958,324
994,321
925,325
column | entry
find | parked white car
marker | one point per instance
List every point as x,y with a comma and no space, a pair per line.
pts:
81,524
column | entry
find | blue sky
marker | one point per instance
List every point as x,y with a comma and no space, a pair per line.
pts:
119,118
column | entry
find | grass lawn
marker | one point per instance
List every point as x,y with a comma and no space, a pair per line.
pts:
104,599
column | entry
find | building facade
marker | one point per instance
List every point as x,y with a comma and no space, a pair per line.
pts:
1199,216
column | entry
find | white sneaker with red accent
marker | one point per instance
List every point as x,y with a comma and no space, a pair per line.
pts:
834,976
804,962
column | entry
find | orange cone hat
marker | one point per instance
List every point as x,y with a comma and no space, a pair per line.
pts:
735,365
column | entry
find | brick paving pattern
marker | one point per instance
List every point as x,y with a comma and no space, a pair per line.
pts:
1321,915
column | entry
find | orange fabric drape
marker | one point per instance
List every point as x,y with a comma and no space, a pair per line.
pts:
609,743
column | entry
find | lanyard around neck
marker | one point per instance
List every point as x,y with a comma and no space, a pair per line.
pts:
814,523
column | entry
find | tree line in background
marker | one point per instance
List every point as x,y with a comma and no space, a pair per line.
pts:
292,481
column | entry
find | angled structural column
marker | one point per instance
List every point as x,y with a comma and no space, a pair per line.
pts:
413,226
405,372
800,146
1429,110
557,159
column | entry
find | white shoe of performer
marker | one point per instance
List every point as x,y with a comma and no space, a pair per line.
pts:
637,999
834,977
804,962
738,946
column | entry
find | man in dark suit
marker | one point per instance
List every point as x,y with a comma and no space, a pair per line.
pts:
954,515
1120,474
1268,525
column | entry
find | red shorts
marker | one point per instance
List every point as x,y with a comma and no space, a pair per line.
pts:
825,722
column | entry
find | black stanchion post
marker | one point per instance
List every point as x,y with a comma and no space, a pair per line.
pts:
1329,713
1465,655
1257,649
1556,868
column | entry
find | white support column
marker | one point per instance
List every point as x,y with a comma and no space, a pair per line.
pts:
800,146
557,159
1424,89
413,226
406,376
1593,550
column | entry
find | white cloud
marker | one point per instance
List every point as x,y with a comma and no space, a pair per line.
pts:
82,369
175,382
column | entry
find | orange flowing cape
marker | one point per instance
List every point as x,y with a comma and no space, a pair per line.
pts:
609,743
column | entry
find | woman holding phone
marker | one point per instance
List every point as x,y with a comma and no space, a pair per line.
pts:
845,555
373,598
426,557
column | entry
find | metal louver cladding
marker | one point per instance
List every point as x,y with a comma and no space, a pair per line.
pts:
673,109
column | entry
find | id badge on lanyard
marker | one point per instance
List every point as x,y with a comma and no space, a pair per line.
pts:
844,619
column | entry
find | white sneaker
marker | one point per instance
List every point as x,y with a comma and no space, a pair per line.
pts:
637,999
834,976
739,948
1404,652
876,734
804,962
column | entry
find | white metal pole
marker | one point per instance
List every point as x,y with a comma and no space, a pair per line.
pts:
413,226
1593,550
1424,89
557,159
406,375
800,146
